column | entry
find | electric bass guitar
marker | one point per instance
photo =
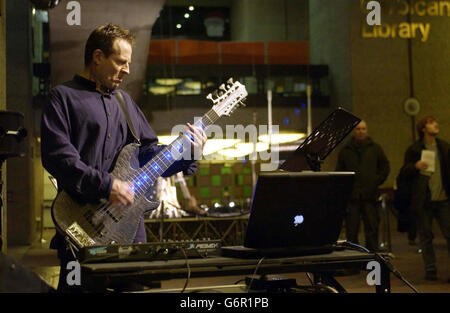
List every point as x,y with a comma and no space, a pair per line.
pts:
87,224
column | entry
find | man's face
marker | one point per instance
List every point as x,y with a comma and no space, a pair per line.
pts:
112,70
360,131
431,128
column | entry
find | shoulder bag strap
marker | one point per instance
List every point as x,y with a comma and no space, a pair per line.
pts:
127,116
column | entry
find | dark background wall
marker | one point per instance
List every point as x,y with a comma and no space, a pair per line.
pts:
67,41
371,76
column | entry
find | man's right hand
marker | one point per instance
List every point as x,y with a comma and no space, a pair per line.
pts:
121,194
421,165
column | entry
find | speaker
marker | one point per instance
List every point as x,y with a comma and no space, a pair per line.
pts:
14,278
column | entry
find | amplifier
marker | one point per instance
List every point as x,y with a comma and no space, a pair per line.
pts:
165,250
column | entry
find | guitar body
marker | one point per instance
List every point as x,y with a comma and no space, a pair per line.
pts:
101,221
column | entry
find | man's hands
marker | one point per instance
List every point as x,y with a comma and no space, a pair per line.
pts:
121,194
198,139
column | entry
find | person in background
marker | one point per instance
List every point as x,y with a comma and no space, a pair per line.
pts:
426,165
366,158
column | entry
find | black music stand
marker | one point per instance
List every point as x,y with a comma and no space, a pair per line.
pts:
11,145
321,142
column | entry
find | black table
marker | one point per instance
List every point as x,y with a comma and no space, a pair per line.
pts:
98,276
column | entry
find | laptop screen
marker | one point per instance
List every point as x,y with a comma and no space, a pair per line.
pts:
298,209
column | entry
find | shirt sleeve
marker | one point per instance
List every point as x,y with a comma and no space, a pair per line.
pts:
62,160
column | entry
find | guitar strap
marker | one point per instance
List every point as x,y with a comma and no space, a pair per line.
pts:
127,116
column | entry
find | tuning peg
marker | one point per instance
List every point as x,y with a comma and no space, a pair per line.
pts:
222,87
209,97
221,93
230,81
215,94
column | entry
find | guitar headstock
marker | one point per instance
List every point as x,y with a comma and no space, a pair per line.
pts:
228,97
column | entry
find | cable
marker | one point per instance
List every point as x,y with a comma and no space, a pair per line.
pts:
189,270
254,273
395,272
387,263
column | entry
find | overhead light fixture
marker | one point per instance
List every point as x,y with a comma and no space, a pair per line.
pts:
178,26
244,148
166,139
191,8
161,90
282,138
186,15
193,85
211,145
168,81
214,145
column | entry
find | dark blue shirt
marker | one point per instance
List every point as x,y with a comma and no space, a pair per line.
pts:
82,133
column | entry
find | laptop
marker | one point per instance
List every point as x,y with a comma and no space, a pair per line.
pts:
295,213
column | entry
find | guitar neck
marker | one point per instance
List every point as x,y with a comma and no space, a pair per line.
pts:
170,154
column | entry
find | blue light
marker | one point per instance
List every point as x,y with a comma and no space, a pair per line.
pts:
155,167
303,105
286,121
145,177
297,111
168,156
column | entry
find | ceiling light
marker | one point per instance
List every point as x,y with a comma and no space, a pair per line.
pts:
168,81
178,26
186,15
191,8
161,90
282,138
214,145
167,139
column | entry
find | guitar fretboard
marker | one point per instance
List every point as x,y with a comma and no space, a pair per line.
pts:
179,148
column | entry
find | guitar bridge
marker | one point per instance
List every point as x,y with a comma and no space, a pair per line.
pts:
79,236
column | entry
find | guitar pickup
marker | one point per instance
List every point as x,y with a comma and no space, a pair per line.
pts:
79,236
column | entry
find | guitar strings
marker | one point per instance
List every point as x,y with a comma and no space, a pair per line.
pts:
146,170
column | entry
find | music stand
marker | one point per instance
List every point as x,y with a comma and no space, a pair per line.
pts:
321,142
11,145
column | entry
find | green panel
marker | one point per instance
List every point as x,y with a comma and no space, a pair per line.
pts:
205,192
215,180
240,180
225,170
203,171
247,170
247,191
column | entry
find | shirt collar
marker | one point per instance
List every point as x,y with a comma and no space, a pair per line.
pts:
90,85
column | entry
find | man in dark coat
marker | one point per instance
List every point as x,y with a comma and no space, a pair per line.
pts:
430,188
367,159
